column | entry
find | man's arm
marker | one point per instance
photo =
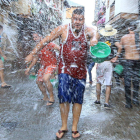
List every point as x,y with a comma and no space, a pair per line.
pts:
119,46
93,36
54,34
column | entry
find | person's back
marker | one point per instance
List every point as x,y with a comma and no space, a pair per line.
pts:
128,41
131,65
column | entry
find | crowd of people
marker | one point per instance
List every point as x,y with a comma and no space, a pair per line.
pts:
72,65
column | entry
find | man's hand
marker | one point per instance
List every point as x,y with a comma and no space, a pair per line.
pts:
29,58
93,42
27,71
92,35
113,60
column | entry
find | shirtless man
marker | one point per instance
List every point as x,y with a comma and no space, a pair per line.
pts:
131,66
48,63
72,66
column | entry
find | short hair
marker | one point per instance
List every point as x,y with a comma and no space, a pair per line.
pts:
1,27
78,12
132,26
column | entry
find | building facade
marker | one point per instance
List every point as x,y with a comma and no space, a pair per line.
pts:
22,18
118,13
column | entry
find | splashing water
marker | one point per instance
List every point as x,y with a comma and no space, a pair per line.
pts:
11,37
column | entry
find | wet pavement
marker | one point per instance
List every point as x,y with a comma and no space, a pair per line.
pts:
23,117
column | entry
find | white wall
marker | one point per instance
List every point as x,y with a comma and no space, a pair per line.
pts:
126,6
123,6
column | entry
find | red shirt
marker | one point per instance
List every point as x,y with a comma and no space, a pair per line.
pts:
73,54
47,55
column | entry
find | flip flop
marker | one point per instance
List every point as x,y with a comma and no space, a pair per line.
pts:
75,132
61,131
6,86
52,102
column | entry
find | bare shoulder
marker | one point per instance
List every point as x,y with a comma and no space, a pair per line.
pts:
61,28
125,36
65,27
90,31
117,43
58,31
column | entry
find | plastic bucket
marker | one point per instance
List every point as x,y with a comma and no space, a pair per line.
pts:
100,52
118,69
97,60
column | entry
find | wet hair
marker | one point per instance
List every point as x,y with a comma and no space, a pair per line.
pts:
1,27
78,12
132,26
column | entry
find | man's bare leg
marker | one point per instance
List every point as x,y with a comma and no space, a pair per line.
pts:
76,115
98,91
108,91
49,87
2,74
43,90
64,109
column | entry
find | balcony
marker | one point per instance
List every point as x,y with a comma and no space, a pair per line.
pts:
120,20
123,16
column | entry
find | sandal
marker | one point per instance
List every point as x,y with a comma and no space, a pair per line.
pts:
61,131
6,86
75,133
51,103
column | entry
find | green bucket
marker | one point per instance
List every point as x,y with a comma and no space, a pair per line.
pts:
100,52
118,69
97,60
